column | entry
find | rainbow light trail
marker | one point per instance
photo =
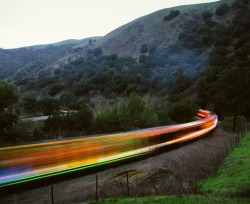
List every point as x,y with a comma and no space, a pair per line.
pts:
24,163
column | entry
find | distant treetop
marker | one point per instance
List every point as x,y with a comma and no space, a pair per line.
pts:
172,14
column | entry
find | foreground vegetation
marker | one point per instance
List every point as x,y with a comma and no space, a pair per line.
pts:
232,179
175,200
230,184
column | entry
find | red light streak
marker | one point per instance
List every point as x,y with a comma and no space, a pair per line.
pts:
29,162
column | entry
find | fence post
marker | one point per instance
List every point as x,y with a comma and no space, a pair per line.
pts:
235,118
127,185
230,145
226,148
96,186
154,185
52,196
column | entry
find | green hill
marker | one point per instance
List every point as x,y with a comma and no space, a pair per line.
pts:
190,51
154,31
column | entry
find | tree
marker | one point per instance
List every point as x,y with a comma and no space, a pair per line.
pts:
123,115
97,51
71,124
239,3
162,111
207,15
183,111
106,121
7,95
172,14
149,118
55,88
97,103
144,48
222,9
111,60
135,104
49,106
90,41
7,116
84,117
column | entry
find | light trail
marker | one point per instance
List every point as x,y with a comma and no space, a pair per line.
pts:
24,163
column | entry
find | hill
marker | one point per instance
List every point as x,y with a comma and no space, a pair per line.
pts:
154,31
30,60
176,51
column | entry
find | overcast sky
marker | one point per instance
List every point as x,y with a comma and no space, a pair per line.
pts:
31,22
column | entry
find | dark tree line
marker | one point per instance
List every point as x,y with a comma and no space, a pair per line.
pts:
96,116
112,75
226,84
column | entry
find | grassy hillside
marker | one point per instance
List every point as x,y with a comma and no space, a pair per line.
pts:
153,30
74,42
29,61
177,49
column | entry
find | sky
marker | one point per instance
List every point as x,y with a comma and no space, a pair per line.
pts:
33,22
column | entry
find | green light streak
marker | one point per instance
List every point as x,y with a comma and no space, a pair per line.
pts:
72,170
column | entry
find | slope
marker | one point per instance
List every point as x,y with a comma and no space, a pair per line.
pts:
154,31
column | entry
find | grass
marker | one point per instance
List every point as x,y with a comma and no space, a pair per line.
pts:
233,177
174,200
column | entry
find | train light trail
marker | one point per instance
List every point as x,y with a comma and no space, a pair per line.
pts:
24,163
